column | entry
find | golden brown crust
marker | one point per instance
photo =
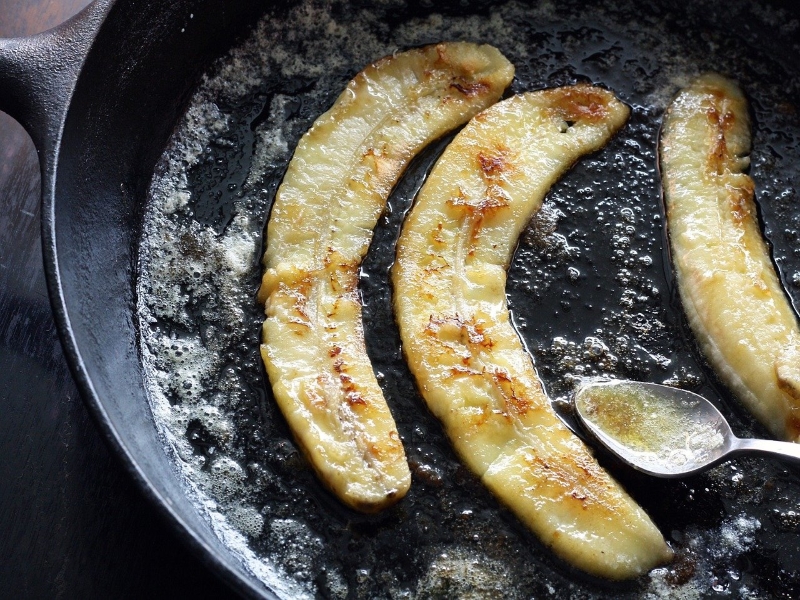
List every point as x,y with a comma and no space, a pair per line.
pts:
730,291
469,363
332,195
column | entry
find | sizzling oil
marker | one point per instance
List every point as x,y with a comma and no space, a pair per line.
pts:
657,433
589,286
632,417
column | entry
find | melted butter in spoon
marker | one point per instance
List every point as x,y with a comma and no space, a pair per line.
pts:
657,429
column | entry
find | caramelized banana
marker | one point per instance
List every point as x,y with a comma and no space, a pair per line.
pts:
334,190
469,363
730,291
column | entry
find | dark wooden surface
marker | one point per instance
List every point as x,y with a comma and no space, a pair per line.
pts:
72,524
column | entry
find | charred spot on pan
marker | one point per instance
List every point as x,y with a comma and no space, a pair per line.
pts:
425,474
190,246
682,570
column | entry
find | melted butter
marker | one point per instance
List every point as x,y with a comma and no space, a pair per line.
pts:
611,315
658,434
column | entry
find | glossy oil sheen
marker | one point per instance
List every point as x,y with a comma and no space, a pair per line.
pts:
651,430
589,286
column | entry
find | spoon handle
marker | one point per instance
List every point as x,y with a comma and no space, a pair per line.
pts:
786,450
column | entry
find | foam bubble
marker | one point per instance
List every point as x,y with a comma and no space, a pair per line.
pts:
247,520
295,546
465,574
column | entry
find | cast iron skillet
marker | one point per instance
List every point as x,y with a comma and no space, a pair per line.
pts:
99,96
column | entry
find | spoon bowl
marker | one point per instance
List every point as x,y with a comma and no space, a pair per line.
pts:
664,431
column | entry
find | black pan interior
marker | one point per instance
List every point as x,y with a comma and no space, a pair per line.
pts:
590,288
135,83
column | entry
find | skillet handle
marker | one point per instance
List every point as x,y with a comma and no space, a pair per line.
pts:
38,74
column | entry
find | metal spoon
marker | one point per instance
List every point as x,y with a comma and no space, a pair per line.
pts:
665,431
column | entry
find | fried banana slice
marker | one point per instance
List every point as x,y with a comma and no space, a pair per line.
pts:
335,188
730,291
469,363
